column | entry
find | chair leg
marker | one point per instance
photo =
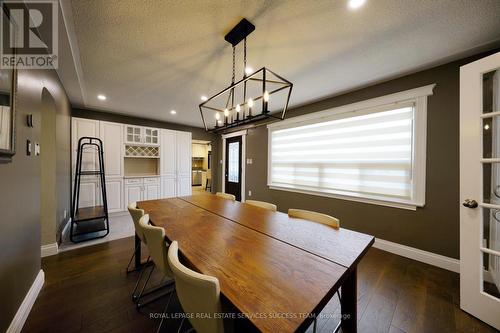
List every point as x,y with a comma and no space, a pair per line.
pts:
164,311
180,326
144,286
315,324
131,258
134,296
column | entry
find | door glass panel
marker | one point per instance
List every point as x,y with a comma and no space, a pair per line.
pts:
491,91
155,140
234,162
129,137
491,229
491,274
137,130
129,130
491,183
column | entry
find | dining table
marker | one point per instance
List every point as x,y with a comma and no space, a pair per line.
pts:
279,272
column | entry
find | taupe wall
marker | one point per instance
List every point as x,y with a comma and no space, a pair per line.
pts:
433,228
197,133
20,190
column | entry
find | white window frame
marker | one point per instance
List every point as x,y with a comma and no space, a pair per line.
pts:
418,96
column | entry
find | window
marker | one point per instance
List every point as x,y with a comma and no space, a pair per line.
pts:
372,151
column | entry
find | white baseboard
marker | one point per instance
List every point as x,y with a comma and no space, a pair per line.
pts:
50,249
430,258
22,313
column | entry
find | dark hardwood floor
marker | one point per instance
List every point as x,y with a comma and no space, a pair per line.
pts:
87,290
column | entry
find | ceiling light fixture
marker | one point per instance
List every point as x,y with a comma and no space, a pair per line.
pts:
173,112
204,98
355,4
247,100
101,97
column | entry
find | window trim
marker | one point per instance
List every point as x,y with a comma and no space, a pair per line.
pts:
418,96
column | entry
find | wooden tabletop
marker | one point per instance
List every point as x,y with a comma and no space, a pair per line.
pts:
342,246
260,275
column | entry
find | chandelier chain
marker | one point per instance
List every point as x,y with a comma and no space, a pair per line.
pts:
245,57
234,64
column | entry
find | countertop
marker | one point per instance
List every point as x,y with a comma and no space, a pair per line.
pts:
140,176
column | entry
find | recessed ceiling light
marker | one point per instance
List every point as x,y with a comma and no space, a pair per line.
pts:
204,98
101,97
173,112
248,70
355,4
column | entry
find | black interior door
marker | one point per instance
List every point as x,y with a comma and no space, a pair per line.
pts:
232,176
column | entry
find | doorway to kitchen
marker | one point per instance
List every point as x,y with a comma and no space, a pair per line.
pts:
201,180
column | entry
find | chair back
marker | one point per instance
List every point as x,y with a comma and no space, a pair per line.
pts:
226,196
262,204
315,217
157,245
197,293
136,215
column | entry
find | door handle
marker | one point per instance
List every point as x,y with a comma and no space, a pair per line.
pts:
470,203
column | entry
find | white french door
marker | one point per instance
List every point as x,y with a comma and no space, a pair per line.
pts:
480,189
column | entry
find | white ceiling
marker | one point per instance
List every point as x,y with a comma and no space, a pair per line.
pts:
149,57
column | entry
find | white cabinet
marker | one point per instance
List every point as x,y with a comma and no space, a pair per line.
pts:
133,193
183,186
175,163
114,195
111,136
89,195
138,189
199,150
184,154
81,128
168,187
142,135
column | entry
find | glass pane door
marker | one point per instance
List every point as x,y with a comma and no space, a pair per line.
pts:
490,129
234,162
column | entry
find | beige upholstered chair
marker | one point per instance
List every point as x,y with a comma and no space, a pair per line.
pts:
315,217
226,196
319,218
197,293
136,214
262,204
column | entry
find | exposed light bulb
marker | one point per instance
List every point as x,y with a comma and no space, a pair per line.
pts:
266,96
248,70
250,103
238,108
226,112
204,98
217,116
355,4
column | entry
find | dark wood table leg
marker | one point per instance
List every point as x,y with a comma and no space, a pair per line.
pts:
348,303
138,263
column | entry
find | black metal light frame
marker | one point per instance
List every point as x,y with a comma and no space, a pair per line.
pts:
234,37
285,84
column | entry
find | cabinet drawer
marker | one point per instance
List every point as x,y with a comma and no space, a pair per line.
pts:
152,180
134,181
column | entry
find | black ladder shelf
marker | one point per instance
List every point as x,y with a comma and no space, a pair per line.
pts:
87,218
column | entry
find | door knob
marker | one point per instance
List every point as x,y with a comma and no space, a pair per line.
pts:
470,203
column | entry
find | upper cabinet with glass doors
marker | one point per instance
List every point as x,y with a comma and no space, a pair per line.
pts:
142,135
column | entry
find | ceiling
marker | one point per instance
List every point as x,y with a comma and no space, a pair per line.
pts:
149,57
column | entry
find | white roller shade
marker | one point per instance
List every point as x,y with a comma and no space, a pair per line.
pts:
368,155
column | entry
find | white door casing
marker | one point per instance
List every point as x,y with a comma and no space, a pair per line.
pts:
475,242
243,135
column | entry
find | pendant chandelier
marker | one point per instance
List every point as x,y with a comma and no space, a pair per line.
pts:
259,96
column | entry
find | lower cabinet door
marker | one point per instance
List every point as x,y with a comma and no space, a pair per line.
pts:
152,192
167,187
183,186
133,193
114,195
88,196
